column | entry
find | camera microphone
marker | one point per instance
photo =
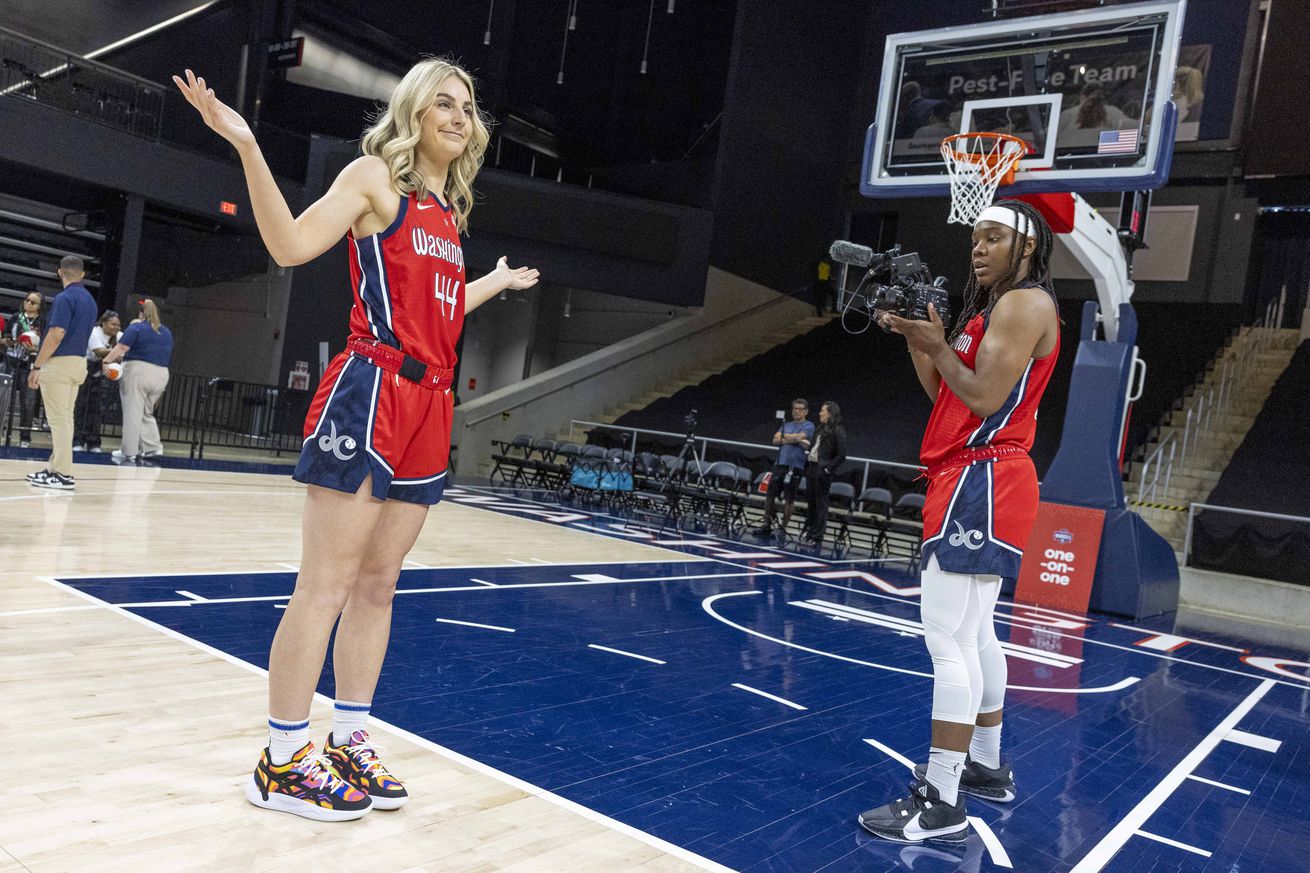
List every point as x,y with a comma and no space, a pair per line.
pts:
851,253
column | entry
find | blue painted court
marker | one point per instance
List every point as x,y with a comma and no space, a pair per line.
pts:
745,704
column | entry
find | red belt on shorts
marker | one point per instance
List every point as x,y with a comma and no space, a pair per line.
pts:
396,361
968,457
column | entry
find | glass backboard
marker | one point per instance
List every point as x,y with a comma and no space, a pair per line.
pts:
1089,92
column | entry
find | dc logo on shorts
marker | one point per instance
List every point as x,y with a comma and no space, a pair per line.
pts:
1063,535
970,539
330,442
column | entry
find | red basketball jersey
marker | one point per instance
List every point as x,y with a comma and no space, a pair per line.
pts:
954,428
409,283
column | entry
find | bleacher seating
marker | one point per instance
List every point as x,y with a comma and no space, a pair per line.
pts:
883,406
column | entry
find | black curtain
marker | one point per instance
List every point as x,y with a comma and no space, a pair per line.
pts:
1269,472
1282,261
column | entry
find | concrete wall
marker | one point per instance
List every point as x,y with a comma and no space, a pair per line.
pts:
500,334
232,330
735,314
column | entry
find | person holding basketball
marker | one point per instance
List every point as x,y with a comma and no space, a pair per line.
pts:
986,380
377,436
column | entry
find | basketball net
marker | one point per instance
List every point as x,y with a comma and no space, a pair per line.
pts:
976,164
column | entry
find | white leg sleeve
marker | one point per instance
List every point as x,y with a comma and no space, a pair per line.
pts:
995,672
951,608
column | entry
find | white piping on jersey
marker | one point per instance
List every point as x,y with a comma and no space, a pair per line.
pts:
333,393
382,280
372,417
991,505
440,475
363,284
959,486
1023,383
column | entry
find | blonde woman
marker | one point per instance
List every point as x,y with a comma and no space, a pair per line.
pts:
146,348
378,432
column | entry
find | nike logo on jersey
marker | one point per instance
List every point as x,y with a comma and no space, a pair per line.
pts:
332,443
966,538
426,205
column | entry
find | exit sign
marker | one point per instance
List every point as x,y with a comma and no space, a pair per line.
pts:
287,53
227,207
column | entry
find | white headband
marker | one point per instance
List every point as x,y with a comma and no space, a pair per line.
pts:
1006,216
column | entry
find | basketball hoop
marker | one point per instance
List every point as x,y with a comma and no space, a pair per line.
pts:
977,163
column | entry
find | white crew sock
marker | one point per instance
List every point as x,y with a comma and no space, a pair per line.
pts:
285,738
985,747
348,717
944,769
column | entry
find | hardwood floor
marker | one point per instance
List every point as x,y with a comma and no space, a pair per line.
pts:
131,746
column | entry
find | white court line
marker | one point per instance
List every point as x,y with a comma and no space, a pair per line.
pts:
1130,824
540,561
1177,845
84,494
188,595
133,577
791,565
449,754
1217,784
295,568
279,606
891,753
781,700
1254,741
629,654
520,563
495,627
271,597
415,565
994,847
484,582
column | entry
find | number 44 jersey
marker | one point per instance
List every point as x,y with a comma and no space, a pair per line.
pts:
409,283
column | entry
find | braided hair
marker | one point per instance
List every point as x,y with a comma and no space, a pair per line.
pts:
978,298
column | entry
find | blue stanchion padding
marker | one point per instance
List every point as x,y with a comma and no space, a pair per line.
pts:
1136,571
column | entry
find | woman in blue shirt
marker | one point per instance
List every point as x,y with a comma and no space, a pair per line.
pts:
146,348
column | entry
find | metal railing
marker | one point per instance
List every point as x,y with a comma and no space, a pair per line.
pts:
732,446
53,77
204,412
1191,521
1209,405
681,338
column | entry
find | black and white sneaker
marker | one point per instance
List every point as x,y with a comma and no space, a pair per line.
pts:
55,481
921,816
981,781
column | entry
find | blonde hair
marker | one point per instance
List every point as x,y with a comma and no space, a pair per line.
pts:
150,312
394,136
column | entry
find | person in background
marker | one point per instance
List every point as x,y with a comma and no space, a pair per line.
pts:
18,357
787,472
72,316
91,399
825,456
146,348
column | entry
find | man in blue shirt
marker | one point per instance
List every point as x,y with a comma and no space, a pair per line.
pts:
60,369
787,472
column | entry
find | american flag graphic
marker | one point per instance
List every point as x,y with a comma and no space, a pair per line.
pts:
1114,142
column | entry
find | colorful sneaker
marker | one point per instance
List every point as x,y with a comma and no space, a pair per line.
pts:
307,785
357,762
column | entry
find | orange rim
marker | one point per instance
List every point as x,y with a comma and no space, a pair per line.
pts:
991,157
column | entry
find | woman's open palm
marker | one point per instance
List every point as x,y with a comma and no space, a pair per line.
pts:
221,118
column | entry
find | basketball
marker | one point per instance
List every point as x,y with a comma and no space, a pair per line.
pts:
31,339
114,371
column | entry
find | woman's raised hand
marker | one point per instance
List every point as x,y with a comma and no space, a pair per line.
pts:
221,118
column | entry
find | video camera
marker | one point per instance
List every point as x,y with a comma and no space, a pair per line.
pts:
908,286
